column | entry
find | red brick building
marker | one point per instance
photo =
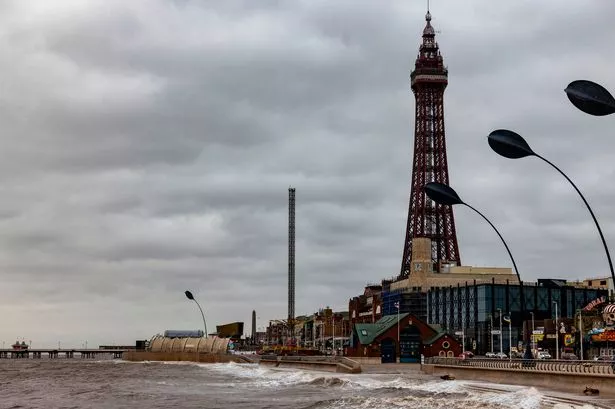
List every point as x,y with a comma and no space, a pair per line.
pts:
366,308
416,338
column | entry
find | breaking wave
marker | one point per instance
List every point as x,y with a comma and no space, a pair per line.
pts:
380,391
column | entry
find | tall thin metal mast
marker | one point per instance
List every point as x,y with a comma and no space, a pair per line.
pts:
291,256
253,336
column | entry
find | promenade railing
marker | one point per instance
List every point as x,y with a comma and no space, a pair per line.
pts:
600,368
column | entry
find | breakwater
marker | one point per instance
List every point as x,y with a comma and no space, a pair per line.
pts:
204,357
317,363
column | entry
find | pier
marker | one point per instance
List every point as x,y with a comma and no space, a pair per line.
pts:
61,353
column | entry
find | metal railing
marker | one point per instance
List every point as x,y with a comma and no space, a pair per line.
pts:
599,368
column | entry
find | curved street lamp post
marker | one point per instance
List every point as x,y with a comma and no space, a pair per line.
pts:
191,297
591,98
512,145
446,195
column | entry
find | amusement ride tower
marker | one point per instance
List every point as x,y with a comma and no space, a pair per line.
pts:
427,219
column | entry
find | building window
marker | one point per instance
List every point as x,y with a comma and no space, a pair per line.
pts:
603,282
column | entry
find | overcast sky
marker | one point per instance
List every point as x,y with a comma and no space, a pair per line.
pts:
147,147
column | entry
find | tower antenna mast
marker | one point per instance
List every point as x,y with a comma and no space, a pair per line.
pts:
291,261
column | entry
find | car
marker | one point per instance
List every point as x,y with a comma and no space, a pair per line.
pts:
603,358
501,355
466,355
490,355
544,355
569,356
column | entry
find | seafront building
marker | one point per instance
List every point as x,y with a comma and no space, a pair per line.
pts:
475,309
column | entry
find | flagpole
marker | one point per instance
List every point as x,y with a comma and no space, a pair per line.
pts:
581,331
501,331
398,345
509,337
491,331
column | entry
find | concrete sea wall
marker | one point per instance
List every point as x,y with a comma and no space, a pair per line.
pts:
314,363
565,382
138,356
367,360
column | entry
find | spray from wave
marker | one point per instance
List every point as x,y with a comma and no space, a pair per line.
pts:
380,391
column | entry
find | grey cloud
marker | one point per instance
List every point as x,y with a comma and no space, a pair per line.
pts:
148,147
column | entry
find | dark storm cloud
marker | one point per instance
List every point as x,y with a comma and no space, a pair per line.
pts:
148,147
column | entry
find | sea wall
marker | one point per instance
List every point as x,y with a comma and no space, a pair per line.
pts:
314,363
566,382
138,356
367,360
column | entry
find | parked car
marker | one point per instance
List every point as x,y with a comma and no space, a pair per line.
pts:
466,354
501,355
603,358
569,356
490,355
543,355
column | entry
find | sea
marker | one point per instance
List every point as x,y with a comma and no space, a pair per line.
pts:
77,383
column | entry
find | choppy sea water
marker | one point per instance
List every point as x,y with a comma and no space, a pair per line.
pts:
75,383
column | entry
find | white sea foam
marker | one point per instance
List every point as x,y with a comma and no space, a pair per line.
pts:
570,406
515,400
263,377
412,393
376,391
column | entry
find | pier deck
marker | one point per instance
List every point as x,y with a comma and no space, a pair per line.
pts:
61,353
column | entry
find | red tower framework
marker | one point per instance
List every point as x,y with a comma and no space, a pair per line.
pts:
425,218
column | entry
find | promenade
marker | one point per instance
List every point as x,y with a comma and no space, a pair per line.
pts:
569,377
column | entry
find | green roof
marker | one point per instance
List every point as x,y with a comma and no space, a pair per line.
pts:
437,328
434,338
367,333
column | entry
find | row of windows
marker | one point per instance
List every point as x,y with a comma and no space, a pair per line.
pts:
490,298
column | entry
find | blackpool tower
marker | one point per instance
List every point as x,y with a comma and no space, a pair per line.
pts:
426,219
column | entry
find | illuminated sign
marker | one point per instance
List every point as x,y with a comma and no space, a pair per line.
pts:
568,339
604,336
594,303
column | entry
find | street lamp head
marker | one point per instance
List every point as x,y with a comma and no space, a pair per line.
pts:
590,98
189,295
509,144
442,194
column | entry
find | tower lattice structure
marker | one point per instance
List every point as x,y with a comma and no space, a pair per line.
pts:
426,218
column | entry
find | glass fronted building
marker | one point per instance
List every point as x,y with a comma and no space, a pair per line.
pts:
414,303
475,309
